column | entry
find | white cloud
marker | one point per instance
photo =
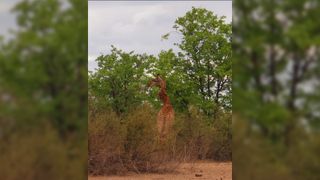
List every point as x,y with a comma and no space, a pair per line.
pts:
4,6
149,14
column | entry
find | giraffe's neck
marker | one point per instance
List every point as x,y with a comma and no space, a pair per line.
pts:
164,97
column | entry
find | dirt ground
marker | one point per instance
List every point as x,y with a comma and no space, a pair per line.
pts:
186,171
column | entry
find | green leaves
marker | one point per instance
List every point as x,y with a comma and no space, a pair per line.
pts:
165,37
119,79
206,48
274,86
200,74
43,77
45,63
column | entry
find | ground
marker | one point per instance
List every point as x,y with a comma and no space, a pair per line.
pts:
186,171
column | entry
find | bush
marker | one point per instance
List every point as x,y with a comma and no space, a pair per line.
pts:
143,150
256,155
105,144
220,147
193,134
129,143
118,144
40,154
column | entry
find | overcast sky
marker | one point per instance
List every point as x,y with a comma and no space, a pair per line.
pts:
7,19
139,25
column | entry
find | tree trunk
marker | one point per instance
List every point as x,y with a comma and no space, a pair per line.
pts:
272,71
294,83
218,89
256,73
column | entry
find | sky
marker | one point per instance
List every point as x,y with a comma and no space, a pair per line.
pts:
138,26
7,19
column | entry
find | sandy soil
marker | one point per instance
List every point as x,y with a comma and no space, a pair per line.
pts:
186,171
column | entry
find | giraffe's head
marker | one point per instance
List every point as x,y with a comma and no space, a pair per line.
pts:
157,81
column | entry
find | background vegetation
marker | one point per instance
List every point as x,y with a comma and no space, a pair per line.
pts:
276,89
43,92
122,112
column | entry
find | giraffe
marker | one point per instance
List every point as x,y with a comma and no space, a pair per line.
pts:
165,116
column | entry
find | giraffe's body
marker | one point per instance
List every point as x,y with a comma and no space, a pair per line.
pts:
165,116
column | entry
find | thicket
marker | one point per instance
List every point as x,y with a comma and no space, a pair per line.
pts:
118,144
43,92
276,89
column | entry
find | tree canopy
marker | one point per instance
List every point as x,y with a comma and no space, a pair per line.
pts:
43,92
275,84
199,74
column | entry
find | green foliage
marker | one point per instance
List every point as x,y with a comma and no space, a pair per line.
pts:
43,75
119,79
275,75
178,85
44,63
206,49
199,75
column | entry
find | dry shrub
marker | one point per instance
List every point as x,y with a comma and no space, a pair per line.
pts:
254,156
202,137
140,143
118,144
128,143
105,144
193,134
221,138
40,154
143,150
258,156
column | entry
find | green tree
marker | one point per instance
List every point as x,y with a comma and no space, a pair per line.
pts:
43,75
206,52
44,63
272,68
275,65
120,78
179,88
